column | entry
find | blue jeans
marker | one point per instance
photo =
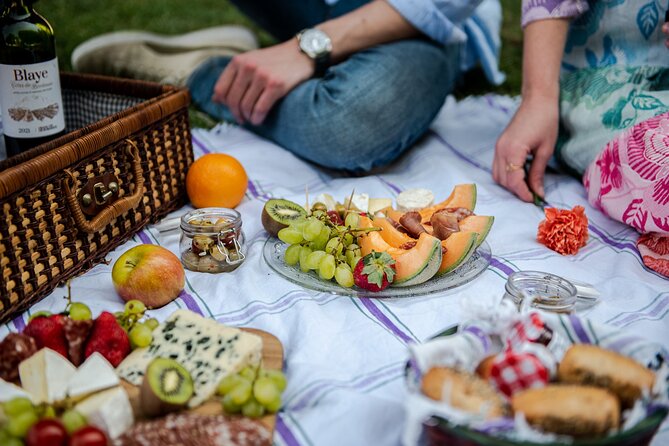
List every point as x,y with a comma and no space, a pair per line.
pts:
365,112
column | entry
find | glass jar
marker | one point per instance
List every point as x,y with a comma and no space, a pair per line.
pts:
541,290
212,240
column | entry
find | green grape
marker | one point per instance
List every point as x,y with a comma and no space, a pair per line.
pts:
48,412
249,373
314,259
12,442
152,323
42,313
321,241
80,312
348,239
318,213
352,251
19,425
253,409
17,406
278,377
352,220
292,255
334,246
229,406
242,392
304,254
274,405
4,435
73,420
312,230
135,307
265,390
326,269
290,236
344,276
354,262
299,224
227,384
140,336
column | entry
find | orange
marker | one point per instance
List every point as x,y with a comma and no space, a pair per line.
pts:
216,180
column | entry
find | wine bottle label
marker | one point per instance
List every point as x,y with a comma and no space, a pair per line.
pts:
31,101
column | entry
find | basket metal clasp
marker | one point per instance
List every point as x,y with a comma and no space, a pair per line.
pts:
97,192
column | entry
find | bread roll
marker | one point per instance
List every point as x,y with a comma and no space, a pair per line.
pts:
464,391
580,411
591,365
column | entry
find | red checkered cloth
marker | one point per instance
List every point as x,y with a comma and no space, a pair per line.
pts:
529,329
514,371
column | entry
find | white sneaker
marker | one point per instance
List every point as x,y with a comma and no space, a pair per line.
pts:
159,58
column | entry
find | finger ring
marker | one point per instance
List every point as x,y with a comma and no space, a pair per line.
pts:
510,167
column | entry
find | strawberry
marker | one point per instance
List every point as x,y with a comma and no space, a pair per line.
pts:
48,332
109,339
375,271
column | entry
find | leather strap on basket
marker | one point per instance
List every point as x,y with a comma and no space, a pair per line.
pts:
113,210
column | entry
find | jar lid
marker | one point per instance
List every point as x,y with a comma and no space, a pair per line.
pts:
211,220
544,290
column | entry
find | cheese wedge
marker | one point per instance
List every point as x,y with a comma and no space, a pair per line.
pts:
94,375
45,376
109,410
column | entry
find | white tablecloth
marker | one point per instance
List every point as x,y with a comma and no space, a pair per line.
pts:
345,357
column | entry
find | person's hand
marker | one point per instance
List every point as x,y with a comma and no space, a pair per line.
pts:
532,131
253,82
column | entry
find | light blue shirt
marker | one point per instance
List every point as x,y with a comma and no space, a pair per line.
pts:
473,23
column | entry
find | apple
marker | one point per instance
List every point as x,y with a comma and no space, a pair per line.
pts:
150,274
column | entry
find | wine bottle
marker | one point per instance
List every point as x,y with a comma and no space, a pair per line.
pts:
30,97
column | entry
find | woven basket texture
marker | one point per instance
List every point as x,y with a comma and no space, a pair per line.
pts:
136,131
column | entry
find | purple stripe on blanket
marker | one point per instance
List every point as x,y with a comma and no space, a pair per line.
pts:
144,237
200,144
660,306
500,266
378,314
390,185
190,302
611,242
19,323
285,433
620,344
579,331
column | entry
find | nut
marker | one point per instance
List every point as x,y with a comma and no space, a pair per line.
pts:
202,244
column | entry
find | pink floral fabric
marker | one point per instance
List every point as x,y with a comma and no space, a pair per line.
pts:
629,181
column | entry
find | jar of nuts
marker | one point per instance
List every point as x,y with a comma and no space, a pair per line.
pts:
212,240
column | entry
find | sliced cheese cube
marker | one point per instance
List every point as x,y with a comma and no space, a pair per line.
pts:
94,375
376,204
359,202
208,350
327,199
45,376
109,410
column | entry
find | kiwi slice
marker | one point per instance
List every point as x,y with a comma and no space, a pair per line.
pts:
279,213
167,387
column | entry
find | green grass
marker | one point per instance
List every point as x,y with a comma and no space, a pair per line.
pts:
77,20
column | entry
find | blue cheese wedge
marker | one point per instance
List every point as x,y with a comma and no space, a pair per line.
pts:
94,375
208,350
45,376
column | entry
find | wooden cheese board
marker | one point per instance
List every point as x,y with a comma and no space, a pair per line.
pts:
272,358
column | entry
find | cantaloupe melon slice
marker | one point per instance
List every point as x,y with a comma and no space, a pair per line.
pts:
459,248
413,266
391,235
463,196
481,224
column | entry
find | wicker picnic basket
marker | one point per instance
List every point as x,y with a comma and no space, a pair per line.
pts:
67,203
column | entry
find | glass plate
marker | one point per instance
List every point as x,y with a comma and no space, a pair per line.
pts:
274,249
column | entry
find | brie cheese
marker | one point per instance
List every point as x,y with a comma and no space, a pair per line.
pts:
94,375
109,410
45,376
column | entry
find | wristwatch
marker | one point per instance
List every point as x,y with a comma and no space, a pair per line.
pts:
316,45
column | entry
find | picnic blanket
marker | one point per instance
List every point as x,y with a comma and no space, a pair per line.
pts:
345,357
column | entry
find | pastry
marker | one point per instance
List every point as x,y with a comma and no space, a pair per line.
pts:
580,411
591,365
464,391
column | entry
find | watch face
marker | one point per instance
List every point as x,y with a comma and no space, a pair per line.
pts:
315,43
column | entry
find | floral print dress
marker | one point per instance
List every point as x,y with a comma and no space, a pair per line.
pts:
614,111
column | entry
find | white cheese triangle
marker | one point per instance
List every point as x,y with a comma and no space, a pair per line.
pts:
45,376
110,411
94,375
9,391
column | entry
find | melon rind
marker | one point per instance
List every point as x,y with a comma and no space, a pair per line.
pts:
481,224
427,270
465,252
